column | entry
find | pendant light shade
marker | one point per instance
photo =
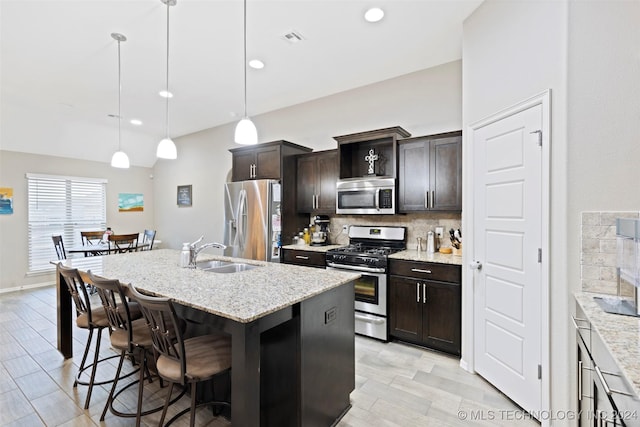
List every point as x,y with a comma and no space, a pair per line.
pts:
246,132
120,158
167,148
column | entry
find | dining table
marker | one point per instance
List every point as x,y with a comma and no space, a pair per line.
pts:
101,249
293,349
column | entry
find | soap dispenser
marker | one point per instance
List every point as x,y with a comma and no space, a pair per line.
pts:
185,255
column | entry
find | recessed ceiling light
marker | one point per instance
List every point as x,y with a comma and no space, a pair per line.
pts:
165,94
374,14
135,122
257,64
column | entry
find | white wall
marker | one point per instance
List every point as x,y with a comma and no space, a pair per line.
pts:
424,102
604,113
13,228
512,51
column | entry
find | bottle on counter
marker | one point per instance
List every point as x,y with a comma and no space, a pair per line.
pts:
306,236
431,242
185,255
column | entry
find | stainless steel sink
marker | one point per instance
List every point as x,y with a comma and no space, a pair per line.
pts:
224,266
206,265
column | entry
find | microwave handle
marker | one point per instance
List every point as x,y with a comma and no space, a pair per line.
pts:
377,199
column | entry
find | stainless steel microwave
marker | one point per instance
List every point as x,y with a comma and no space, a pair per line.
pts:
361,196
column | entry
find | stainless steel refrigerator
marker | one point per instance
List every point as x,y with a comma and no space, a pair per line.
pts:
252,219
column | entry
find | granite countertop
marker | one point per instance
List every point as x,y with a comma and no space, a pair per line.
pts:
311,248
621,334
407,255
414,255
244,296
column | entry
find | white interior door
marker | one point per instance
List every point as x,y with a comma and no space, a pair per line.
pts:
507,240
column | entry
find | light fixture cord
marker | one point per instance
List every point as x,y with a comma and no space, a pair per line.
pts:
119,100
245,58
167,94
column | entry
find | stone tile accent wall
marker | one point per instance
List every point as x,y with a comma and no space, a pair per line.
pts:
599,252
417,224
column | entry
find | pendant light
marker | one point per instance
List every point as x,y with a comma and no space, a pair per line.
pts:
246,132
167,148
120,158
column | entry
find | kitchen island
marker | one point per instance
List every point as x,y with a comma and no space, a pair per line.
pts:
292,332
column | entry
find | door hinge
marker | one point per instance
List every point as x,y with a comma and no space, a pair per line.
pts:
539,372
540,255
539,132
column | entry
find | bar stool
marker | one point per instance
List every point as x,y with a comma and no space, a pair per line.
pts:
129,335
86,318
186,362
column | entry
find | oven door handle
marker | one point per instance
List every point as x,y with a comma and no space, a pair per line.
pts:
354,268
369,319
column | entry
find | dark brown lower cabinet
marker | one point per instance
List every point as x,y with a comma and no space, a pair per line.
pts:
424,311
302,257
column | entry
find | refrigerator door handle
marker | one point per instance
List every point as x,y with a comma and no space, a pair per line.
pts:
231,226
241,218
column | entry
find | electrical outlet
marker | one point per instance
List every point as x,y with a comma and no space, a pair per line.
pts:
439,231
345,228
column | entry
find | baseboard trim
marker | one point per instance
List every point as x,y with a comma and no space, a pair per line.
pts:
24,287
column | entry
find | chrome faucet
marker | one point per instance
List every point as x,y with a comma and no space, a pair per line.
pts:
193,251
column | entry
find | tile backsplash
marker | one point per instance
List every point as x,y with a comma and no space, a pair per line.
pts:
417,224
599,252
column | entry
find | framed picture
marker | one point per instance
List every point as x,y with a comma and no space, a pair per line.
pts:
130,202
184,195
6,200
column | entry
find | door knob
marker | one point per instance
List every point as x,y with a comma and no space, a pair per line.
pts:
475,265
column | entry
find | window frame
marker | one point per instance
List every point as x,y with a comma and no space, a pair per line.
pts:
63,205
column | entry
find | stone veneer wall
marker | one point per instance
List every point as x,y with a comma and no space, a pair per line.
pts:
418,224
599,252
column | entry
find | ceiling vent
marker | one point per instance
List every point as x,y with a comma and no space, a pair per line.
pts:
293,37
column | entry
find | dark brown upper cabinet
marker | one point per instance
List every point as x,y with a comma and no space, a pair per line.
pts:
262,161
354,151
430,173
317,174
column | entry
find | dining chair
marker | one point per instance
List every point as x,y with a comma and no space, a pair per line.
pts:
186,362
131,337
59,246
121,243
147,239
90,238
88,318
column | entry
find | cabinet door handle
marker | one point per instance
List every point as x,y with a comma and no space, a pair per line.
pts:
431,202
424,293
580,380
302,257
426,200
419,270
418,292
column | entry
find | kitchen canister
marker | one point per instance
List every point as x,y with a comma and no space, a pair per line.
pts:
431,242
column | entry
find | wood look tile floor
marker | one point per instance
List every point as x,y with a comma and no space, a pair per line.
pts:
396,384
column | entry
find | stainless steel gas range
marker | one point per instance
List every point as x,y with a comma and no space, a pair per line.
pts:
367,253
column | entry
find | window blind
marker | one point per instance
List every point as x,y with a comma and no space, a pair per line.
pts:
65,206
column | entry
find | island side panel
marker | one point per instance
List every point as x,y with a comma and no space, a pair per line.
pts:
64,318
327,356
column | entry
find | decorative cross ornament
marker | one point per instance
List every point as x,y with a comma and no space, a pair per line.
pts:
371,158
